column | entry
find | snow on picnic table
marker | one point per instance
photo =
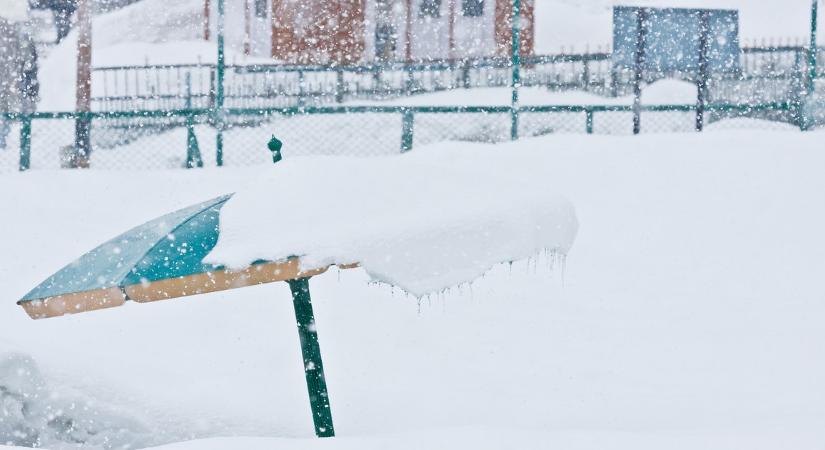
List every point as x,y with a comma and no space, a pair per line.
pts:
423,222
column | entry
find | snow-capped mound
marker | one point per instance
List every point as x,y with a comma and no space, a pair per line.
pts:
669,92
423,222
33,415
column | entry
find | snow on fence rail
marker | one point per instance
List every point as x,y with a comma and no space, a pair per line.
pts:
188,137
768,73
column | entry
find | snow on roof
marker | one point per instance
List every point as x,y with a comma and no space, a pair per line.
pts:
14,10
424,221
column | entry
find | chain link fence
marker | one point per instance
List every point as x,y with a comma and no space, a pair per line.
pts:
189,138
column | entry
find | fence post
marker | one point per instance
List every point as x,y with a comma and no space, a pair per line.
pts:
589,120
638,63
409,83
407,124
799,93
301,100
813,49
193,152
516,61
339,86
702,85
25,142
614,82
219,116
83,93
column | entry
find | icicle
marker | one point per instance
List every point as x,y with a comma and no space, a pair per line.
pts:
563,268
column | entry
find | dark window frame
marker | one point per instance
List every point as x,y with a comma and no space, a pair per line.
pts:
261,8
472,8
429,8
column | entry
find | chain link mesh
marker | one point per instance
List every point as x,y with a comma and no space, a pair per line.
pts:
168,142
542,123
9,145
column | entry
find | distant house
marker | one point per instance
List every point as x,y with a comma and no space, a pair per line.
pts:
360,31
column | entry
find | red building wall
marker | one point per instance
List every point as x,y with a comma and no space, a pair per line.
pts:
333,31
504,14
318,31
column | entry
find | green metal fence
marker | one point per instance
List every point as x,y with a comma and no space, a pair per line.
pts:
222,115
190,137
769,73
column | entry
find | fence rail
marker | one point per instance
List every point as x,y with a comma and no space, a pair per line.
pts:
770,71
183,137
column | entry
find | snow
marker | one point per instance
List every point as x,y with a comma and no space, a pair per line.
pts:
146,32
661,92
690,314
425,222
158,32
687,315
13,10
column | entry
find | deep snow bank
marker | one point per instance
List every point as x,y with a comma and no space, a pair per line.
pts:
422,221
691,316
34,415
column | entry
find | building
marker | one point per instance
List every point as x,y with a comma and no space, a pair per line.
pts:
363,31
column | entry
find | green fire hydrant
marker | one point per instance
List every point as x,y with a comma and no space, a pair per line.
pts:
275,145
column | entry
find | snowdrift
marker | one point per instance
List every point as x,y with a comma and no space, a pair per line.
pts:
423,222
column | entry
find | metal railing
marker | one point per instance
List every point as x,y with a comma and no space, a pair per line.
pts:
132,139
769,71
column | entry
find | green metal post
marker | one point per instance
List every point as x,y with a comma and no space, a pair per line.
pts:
339,86
813,49
638,68
219,87
25,142
516,62
311,350
407,124
589,121
704,71
193,151
301,94
275,146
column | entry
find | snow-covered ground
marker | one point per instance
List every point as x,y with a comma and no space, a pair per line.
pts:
688,315
662,92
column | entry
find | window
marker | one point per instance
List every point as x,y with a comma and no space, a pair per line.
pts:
385,42
430,8
261,8
472,8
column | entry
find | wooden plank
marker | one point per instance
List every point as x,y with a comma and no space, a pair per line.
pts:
74,303
202,283
218,280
